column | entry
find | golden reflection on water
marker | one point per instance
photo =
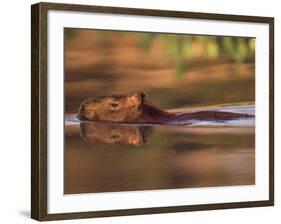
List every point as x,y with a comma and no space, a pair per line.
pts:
171,157
114,133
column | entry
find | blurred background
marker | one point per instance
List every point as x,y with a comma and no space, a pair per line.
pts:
174,70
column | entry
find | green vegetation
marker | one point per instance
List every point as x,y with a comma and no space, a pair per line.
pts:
180,49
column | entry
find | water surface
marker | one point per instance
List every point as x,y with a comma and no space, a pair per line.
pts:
105,157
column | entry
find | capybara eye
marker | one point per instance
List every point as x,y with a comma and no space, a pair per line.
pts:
115,136
114,105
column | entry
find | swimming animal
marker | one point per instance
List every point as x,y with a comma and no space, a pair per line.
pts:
135,108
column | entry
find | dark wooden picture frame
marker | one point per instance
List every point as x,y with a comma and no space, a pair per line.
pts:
39,110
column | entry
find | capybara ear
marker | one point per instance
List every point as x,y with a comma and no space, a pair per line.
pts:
142,94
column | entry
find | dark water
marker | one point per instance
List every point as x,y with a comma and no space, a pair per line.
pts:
103,157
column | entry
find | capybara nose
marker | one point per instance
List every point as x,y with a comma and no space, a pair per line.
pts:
84,112
81,112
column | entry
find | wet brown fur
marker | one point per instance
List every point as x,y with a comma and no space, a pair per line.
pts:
134,108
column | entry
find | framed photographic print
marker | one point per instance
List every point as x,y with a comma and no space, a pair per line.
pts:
138,111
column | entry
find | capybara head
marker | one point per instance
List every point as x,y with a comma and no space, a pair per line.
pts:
116,108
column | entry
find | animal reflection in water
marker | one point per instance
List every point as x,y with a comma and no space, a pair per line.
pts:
115,133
